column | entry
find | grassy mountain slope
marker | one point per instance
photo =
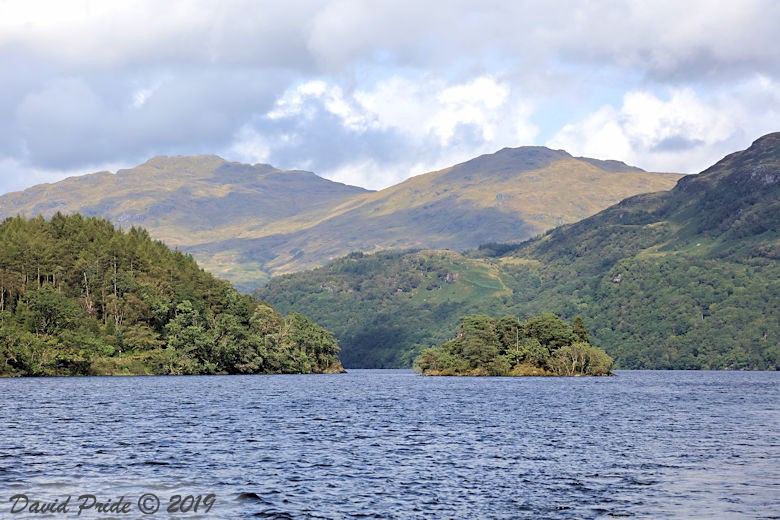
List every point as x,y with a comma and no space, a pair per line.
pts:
185,201
246,222
512,194
687,278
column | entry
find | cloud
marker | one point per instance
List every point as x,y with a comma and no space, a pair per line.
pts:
377,90
72,121
132,34
672,41
58,118
683,131
379,136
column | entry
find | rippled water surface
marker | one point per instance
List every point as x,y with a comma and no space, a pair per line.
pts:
391,444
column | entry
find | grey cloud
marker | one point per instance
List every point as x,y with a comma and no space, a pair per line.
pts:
662,41
21,75
76,121
676,143
322,143
333,36
68,103
59,120
675,41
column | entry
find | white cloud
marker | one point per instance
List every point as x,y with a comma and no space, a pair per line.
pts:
427,106
476,103
378,136
301,100
249,146
684,131
348,85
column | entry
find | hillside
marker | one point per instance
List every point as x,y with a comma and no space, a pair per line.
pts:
78,297
387,307
245,223
185,201
510,195
686,278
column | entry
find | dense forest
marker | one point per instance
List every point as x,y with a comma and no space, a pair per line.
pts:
387,307
79,297
683,279
662,311
542,346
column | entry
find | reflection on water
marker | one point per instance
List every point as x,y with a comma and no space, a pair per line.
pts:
390,444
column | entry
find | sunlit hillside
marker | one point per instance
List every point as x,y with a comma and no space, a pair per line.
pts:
248,222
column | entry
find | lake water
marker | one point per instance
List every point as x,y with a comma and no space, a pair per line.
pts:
391,444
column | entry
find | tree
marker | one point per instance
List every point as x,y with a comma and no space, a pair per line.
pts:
580,358
478,340
50,311
78,296
188,337
510,333
309,346
480,348
580,332
551,331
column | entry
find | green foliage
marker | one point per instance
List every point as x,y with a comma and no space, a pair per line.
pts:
579,330
483,347
80,297
388,307
580,358
532,352
551,331
48,311
685,279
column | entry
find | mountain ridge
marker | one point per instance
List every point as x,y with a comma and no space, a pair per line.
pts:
406,215
248,222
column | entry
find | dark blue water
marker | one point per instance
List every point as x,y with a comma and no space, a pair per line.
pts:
390,444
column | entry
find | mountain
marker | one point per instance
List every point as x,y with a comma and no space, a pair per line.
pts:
245,223
185,201
79,297
685,278
512,194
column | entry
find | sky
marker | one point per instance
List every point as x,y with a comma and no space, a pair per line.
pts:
371,92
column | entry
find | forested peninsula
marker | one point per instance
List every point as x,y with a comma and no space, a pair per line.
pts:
80,297
542,346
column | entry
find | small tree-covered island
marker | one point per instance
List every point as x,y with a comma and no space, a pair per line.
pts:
542,346
79,297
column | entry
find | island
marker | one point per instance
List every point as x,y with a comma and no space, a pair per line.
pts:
541,346
80,297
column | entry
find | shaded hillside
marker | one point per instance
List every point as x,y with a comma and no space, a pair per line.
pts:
387,307
687,278
78,297
245,222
